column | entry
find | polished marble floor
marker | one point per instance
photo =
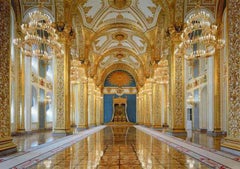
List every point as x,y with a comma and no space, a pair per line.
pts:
119,147
28,141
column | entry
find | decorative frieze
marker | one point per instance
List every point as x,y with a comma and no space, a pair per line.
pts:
115,90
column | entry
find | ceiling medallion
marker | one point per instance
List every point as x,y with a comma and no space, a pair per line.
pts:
119,55
119,4
119,36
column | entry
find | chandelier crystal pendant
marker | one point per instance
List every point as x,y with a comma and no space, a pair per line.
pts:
199,38
40,39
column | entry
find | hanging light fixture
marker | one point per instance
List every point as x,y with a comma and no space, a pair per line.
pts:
199,38
40,39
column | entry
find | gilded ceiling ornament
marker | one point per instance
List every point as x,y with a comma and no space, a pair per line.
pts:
119,78
119,36
119,4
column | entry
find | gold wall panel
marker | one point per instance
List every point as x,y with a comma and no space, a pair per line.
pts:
4,69
234,69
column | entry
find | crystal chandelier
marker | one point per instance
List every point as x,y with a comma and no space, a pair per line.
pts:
40,39
199,38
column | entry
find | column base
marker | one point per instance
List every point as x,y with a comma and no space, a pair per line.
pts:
92,125
147,124
156,126
20,132
62,132
203,130
215,133
231,145
177,132
7,146
73,125
81,127
165,125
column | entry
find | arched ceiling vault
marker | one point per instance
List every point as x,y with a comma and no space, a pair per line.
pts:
120,34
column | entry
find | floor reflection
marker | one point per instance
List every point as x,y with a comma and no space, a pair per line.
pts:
203,139
119,147
27,141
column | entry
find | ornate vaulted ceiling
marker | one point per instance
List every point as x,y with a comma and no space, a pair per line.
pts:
112,34
120,32
97,14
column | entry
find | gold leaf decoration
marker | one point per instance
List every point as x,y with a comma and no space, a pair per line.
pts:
119,78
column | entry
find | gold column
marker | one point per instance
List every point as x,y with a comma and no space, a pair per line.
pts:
217,122
6,144
91,104
141,107
144,105
148,103
177,93
72,103
61,89
156,105
86,103
101,107
21,117
165,124
83,102
232,141
98,115
94,106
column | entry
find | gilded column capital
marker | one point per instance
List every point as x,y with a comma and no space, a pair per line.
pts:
174,31
64,31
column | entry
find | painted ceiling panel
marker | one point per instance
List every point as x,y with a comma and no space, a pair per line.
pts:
145,7
96,12
92,7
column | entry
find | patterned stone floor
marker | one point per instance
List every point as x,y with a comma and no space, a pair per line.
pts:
25,142
119,147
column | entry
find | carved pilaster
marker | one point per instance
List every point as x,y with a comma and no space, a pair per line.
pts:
148,103
177,105
61,93
165,90
157,105
217,122
91,104
6,144
61,90
232,142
